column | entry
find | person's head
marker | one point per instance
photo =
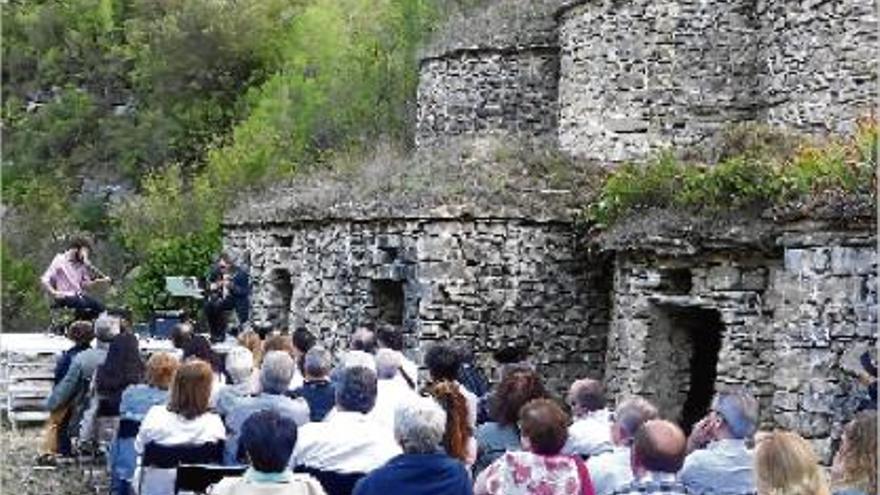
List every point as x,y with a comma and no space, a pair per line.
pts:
629,416
160,369
181,334
199,347
123,364
250,340
659,446
191,389
734,415
391,337
363,339
79,248
276,372
303,340
269,439
81,333
418,426
785,464
279,342
225,262
458,427
106,329
124,317
442,361
387,364
511,353
513,392
543,427
239,364
317,363
586,396
356,390
855,464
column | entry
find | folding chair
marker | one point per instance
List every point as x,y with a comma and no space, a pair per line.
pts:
159,463
196,478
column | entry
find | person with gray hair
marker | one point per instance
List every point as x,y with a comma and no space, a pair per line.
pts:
239,368
612,470
348,443
423,468
391,392
275,374
719,459
590,432
317,389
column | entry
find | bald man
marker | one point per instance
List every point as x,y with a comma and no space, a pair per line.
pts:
658,453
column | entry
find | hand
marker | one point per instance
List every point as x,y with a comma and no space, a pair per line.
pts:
701,434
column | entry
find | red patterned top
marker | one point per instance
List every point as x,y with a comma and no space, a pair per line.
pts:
525,473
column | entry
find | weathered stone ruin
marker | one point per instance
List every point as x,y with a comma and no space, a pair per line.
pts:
659,307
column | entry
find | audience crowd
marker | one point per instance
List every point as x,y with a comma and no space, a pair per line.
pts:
281,415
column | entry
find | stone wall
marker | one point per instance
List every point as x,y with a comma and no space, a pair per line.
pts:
488,91
486,282
819,62
645,75
793,321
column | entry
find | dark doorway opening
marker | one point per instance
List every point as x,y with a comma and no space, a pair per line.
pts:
278,300
683,361
388,299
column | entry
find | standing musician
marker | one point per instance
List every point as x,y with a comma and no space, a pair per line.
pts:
69,275
229,289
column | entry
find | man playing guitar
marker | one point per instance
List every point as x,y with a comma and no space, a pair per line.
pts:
229,289
69,275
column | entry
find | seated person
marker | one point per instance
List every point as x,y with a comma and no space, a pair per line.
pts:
612,470
391,391
540,468
268,439
854,471
423,468
67,278
185,421
136,401
719,460
443,361
657,455
274,377
317,389
347,443
239,369
56,440
590,433
391,337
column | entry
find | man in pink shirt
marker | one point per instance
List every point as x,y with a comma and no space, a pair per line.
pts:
68,276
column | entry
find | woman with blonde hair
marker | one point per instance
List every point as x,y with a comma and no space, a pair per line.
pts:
786,464
458,437
250,340
854,471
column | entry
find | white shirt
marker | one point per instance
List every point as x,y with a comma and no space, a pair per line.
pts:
346,442
472,401
390,395
590,434
167,428
297,380
611,470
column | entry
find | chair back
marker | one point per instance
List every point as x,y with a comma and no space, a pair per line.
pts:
159,463
128,428
334,483
198,477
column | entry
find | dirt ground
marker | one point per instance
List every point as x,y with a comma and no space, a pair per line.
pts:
20,476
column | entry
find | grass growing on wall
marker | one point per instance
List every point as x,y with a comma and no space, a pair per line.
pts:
764,170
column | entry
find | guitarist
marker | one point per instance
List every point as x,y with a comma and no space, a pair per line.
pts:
68,277
228,289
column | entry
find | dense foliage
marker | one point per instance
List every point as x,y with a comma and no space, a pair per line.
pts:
763,168
139,121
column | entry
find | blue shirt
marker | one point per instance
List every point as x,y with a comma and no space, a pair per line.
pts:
296,410
723,467
417,474
610,471
136,401
321,396
493,440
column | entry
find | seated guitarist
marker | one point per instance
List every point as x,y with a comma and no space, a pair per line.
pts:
229,289
69,275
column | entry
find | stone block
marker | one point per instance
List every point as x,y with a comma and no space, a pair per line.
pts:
724,277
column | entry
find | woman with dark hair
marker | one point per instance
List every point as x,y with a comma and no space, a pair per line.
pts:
123,367
458,436
502,434
540,468
268,439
